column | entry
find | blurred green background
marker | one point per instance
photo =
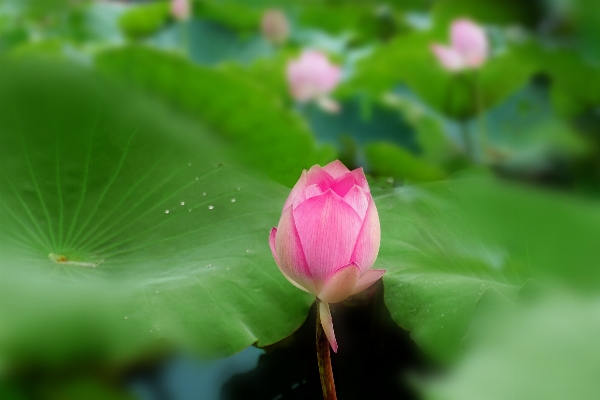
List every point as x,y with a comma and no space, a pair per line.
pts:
144,159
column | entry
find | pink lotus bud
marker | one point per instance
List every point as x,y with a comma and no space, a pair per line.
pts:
468,49
312,76
275,27
328,236
181,9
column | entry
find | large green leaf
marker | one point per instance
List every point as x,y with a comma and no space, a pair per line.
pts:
121,223
546,351
444,244
270,137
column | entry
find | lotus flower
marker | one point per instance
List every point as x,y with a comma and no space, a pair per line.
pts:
180,9
468,47
275,26
312,78
328,237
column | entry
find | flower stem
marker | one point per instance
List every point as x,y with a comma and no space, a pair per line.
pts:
324,361
483,135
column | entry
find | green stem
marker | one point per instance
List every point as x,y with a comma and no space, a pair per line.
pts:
466,138
324,361
483,136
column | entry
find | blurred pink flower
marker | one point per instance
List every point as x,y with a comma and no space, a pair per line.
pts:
275,26
328,237
468,47
312,77
181,9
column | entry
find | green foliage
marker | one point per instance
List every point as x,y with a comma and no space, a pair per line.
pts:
445,244
270,137
385,159
503,12
546,351
234,15
145,19
408,60
122,223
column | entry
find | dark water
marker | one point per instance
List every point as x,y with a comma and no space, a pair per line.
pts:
375,360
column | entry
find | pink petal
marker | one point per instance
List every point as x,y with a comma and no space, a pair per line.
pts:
448,57
318,176
368,279
358,200
361,179
367,245
328,229
341,284
312,191
327,323
344,185
290,256
297,194
469,41
336,169
272,236
272,239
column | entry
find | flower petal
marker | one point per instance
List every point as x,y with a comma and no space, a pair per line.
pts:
368,279
327,323
358,200
290,256
328,229
470,41
342,186
272,236
341,284
318,176
336,169
361,179
297,194
367,245
448,57
312,191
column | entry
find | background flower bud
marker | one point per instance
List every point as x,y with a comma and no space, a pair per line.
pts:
181,9
328,236
468,47
275,26
312,76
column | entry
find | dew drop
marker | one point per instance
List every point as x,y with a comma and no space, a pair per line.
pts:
211,207
239,188
166,211
157,291
197,178
247,250
227,268
125,317
189,210
203,193
150,330
233,200
209,265
442,315
189,164
182,203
